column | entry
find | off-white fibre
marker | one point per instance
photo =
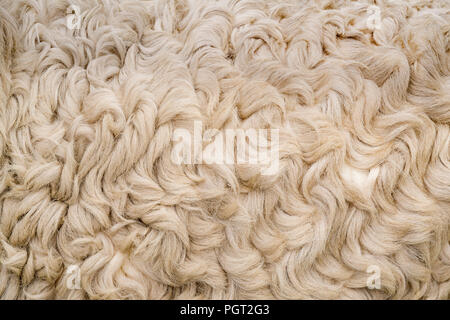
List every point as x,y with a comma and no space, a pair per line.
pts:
87,117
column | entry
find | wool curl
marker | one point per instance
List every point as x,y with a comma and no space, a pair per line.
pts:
87,117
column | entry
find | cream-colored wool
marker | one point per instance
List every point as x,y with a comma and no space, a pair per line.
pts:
87,117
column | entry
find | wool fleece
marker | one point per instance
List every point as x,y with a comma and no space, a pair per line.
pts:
104,193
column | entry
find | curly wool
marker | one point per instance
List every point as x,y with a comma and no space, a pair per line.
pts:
87,117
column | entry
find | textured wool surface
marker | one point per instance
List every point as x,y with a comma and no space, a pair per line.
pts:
88,114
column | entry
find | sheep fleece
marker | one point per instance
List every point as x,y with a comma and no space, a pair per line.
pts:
92,92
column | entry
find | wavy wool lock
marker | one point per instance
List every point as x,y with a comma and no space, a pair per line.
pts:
92,205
